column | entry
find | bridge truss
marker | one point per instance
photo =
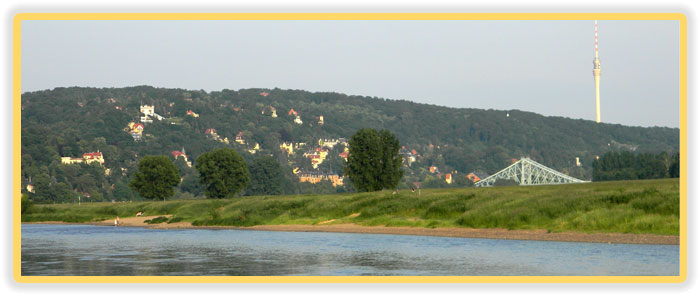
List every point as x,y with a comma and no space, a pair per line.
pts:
528,172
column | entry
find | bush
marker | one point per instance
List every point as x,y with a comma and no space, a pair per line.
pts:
159,219
26,204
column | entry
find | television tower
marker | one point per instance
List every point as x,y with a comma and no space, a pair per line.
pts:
596,76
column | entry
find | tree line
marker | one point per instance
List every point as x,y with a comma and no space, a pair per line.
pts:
374,164
629,166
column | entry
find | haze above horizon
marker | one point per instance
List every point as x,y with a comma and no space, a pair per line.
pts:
538,66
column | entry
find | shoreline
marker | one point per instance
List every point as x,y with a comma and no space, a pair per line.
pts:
456,232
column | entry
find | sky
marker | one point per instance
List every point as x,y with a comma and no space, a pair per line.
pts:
539,66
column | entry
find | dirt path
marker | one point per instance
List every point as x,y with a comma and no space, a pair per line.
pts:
489,233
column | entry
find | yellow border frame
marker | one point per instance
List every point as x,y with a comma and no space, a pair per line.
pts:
16,146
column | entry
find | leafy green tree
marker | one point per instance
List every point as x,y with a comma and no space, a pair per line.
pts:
122,192
391,160
190,184
222,172
674,170
373,161
26,203
155,178
266,177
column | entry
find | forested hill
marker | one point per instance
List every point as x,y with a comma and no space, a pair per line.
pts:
72,121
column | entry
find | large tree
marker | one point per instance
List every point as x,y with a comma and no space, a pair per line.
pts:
222,172
266,177
391,160
373,162
156,177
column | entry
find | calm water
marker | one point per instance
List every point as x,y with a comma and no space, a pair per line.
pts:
82,250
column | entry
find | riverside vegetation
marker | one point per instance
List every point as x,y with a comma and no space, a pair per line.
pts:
637,207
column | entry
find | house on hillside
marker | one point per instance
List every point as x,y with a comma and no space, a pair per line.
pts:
87,159
316,177
265,94
239,138
147,112
344,155
329,143
476,176
177,154
255,149
135,130
192,113
434,169
448,178
298,121
320,120
287,147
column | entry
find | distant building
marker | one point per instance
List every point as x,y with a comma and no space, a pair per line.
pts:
192,113
177,154
476,176
135,130
433,169
578,163
320,120
239,138
344,155
448,178
30,188
255,149
147,111
287,147
87,159
316,177
329,143
264,94
298,121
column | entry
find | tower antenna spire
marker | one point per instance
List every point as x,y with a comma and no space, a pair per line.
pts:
596,76
596,39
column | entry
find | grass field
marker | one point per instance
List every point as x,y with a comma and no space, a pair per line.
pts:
639,207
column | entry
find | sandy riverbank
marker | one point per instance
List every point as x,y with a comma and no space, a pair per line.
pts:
488,233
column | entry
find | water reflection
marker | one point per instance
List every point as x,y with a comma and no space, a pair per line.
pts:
56,250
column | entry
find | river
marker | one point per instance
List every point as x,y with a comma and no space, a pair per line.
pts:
87,250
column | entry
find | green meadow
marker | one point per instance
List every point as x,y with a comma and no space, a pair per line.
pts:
638,207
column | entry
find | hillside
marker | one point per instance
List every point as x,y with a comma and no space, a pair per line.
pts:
69,122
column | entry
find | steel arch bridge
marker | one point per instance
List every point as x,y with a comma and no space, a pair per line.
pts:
528,172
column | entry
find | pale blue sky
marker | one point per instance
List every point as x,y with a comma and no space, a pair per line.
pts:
539,66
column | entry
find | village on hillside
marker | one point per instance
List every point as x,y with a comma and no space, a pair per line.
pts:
304,159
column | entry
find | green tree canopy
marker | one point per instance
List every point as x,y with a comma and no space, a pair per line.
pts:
266,177
674,170
391,173
373,162
155,178
222,172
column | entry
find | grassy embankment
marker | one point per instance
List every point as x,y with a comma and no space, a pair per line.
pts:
639,207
